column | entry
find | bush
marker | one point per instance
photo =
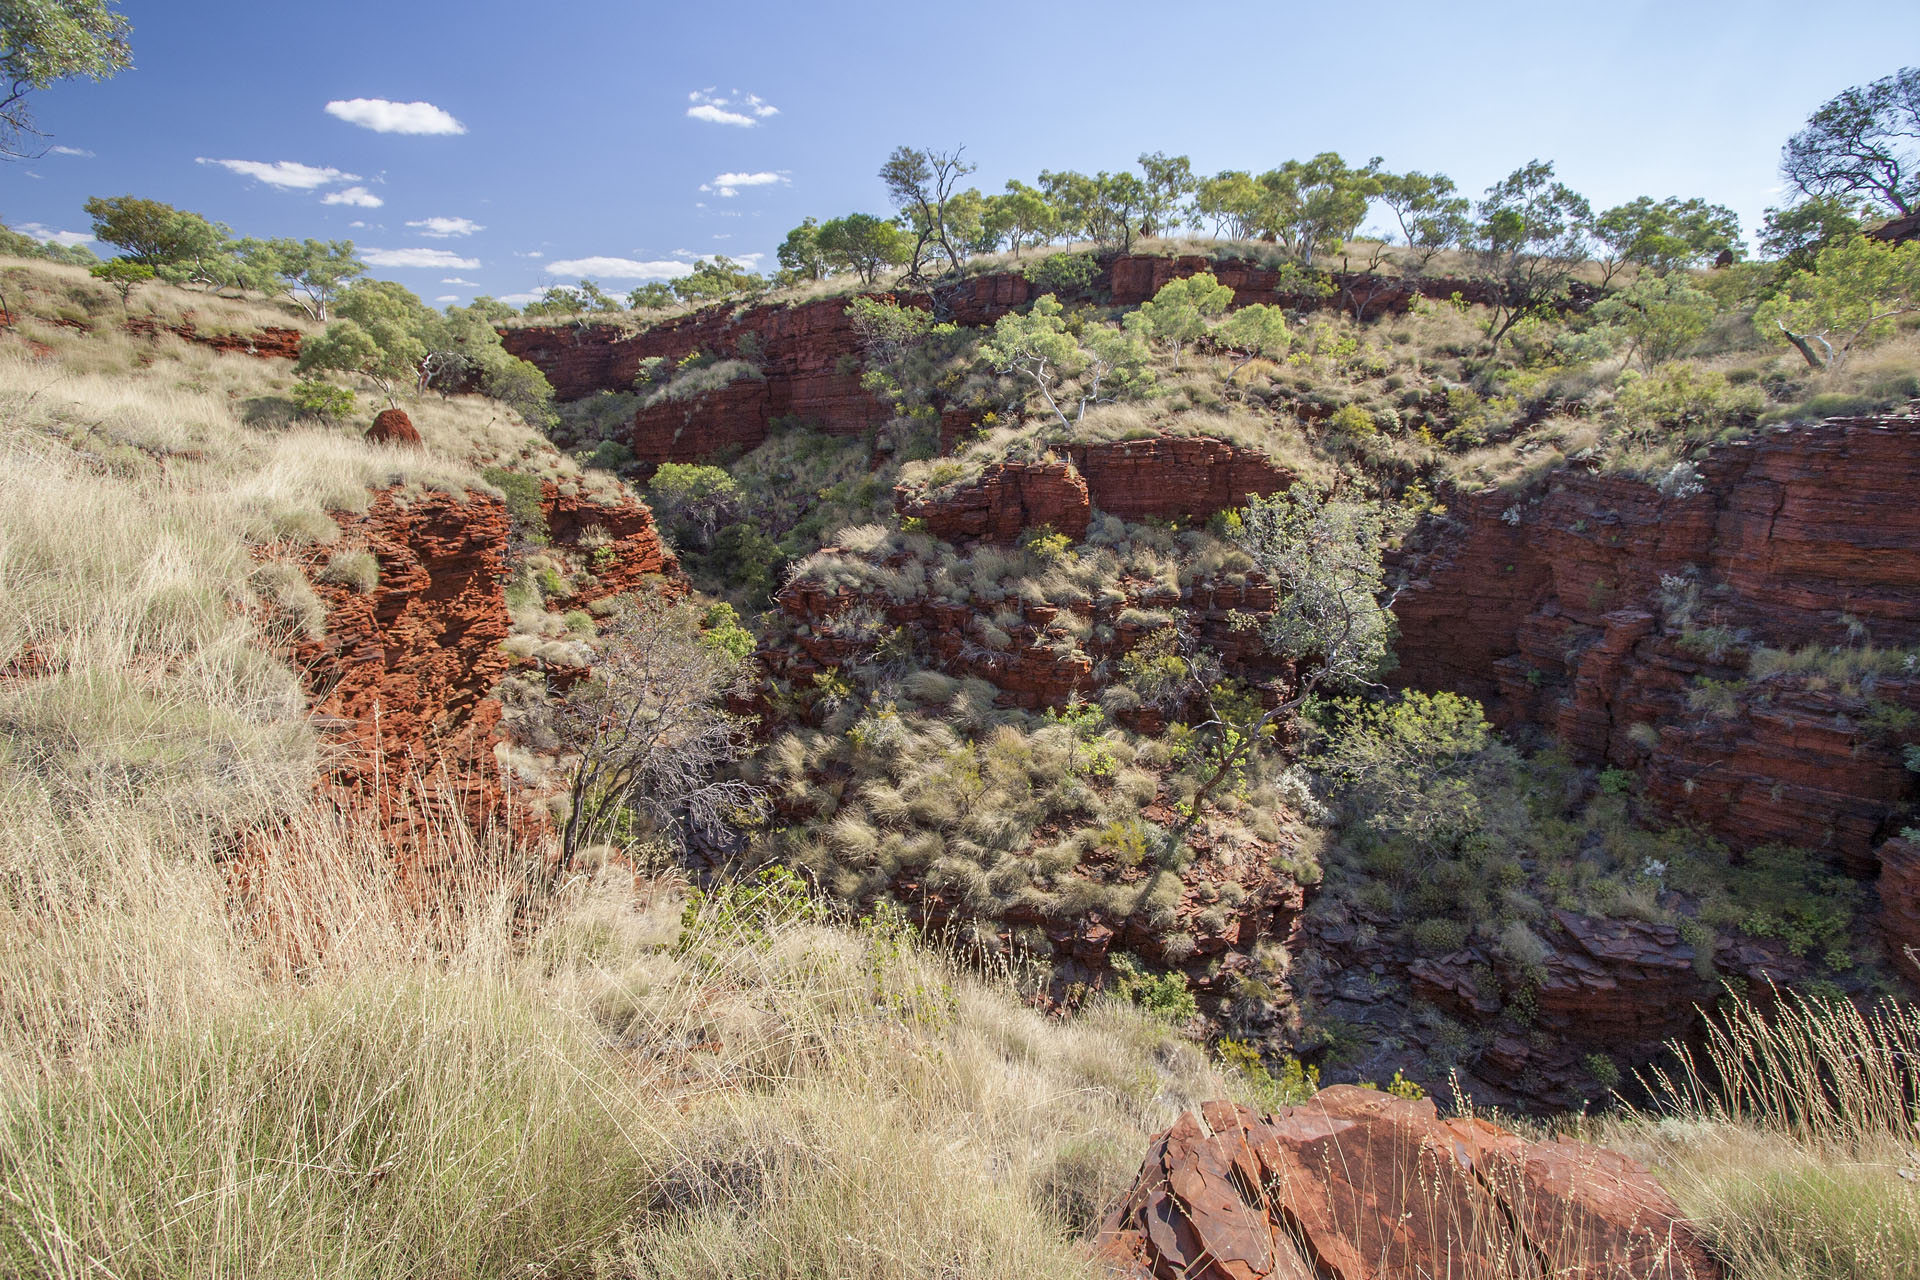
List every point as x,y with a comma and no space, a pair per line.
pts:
1062,272
611,455
524,497
1165,995
313,398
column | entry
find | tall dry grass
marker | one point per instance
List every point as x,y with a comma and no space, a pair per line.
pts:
1792,1137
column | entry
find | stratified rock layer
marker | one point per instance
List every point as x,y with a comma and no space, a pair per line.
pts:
403,676
1158,477
1357,1185
1562,612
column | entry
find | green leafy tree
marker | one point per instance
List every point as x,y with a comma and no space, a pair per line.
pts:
1433,216
1862,144
1662,316
1796,234
1030,218
46,41
921,182
1103,363
1532,236
655,295
1414,767
1663,235
1186,309
124,275
693,500
1105,207
1232,201
1855,292
1168,183
799,254
312,272
1252,333
715,278
154,233
15,245
1314,205
381,335
863,244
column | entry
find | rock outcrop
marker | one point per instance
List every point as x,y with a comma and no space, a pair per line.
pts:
810,353
617,544
1007,500
1355,1184
393,426
1622,616
1158,477
402,678
267,343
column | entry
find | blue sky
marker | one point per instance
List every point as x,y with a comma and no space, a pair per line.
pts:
595,130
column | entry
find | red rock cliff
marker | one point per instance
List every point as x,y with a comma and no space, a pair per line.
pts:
402,678
1551,611
1164,477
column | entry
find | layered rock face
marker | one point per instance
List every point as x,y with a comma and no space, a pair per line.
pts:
402,679
1163,477
1035,667
1356,1185
1570,613
809,355
267,343
618,542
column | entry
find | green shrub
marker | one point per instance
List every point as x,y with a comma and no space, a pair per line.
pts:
313,398
525,503
1296,1082
1062,272
1165,995
1439,935
611,455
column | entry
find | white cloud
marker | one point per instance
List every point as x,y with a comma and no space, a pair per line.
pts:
448,297
383,116
438,259
727,185
358,197
441,228
47,235
356,223
471,284
619,269
283,173
520,299
749,259
70,151
742,110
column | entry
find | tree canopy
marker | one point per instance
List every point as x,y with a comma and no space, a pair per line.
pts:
45,41
1864,143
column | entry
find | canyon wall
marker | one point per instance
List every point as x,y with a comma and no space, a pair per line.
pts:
402,678
809,353
1158,477
1570,612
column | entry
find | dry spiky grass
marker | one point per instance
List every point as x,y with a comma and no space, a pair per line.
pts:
1791,1138
326,1076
